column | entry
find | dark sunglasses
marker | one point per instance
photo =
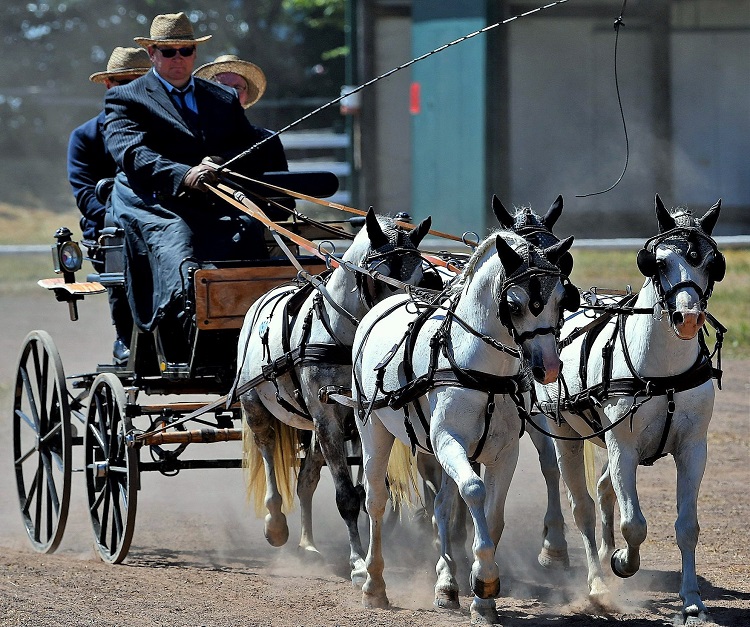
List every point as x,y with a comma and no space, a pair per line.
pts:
168,53
124,81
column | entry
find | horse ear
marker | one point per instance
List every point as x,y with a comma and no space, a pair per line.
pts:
501,213
374,230
553,213
554,253
420,231
665,219
510,259
708,221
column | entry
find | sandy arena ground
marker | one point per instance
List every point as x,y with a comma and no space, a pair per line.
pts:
199,557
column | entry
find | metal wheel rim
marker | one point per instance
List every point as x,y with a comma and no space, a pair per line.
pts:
41,413
111,469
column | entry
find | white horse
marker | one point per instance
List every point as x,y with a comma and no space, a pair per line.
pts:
554,552
299,342
452,385
642,377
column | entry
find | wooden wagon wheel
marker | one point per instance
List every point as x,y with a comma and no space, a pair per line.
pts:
111,469
42,441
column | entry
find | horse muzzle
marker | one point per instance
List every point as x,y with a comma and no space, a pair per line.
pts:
687,323
543,359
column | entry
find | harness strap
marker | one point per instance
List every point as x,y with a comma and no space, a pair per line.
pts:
649,461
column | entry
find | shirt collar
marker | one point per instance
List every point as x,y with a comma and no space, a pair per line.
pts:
171,88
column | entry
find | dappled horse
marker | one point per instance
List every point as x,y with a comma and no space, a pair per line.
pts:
554,552
446,378
300,340
641,377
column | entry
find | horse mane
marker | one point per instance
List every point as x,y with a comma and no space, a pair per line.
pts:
480,252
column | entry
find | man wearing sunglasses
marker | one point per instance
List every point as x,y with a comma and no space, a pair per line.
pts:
89,162
160,130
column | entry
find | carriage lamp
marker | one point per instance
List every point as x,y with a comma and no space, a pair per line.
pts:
66,254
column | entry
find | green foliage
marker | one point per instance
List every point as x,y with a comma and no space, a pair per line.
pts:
320,13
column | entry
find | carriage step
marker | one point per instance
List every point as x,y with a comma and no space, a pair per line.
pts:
58,283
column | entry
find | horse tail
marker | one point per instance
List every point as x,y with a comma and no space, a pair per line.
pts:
285,461
402,477
589,463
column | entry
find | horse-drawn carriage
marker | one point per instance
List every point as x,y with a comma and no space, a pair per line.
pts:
109,410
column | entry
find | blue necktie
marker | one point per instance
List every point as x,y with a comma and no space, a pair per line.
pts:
188,115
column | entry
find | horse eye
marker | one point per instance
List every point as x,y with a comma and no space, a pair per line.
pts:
514,307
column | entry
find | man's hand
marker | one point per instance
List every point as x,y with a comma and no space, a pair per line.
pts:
199,175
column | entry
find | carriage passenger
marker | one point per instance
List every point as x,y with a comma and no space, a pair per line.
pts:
249,81
160,130
89,162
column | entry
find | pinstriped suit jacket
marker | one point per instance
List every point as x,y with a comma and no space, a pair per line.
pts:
155,148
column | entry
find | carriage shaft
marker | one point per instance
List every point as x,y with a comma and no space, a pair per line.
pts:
189,437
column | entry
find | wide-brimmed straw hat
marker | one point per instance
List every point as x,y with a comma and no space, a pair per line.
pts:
124,62
253,75
172,29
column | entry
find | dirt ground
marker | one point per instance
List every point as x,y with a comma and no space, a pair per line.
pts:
199,557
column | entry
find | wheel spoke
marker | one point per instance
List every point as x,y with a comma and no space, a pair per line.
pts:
97,434
104,517
30,496
38,501
51,487
23,458
31,398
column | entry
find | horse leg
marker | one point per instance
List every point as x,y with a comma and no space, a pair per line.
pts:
377,442
261,423
625,562
330,434
691,464
485,575
607,500
497,480
430,471
446,586
554,553
570,461
307,483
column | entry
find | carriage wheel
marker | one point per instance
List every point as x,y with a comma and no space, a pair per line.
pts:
42,441
111,469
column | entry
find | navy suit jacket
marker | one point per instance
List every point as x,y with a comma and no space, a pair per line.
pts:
88,162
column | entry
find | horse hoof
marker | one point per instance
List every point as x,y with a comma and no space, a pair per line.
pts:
551,559
310,554
484,616
617,571
373,601
276,532
446,599
692,616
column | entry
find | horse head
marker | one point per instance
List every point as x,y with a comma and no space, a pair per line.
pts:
384,247
533,227
531,295
683,263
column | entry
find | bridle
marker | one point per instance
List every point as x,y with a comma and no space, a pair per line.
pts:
691,236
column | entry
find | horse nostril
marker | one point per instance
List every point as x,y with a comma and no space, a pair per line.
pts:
539,373
677,318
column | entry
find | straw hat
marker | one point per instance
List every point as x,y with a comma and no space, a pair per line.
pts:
124,62
253,75
173,29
